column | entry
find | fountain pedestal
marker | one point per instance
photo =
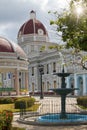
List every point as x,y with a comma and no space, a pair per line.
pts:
63,112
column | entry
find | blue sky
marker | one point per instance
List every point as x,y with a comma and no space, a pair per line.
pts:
13,13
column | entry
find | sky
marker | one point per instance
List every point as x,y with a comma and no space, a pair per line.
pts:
13,13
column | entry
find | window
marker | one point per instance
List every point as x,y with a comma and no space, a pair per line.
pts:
9,75
19,73
33,88
32,71
55,84
48,86
47,69
54,67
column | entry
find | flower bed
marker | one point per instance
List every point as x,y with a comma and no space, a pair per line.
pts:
6,120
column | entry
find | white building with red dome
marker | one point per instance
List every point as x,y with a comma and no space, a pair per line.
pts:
34,40
13,69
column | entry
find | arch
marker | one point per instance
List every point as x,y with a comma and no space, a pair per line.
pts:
72,84
80,85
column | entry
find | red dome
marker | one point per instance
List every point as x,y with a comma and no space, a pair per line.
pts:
5,45
9,47
31,27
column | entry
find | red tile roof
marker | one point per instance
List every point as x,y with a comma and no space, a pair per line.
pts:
7,46
31,27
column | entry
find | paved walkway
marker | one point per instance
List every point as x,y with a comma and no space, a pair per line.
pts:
44,101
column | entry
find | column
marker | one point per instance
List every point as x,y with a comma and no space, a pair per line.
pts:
75,84
17,82
23,82
26,81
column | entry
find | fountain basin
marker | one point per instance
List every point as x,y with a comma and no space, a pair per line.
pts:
55,118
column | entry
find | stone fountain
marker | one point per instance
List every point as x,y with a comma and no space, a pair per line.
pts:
63,92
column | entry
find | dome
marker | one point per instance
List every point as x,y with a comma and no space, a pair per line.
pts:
9,47
32,26
5,45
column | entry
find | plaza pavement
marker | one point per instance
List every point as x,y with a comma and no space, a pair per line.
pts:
71,107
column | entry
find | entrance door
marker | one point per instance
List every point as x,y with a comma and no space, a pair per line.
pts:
72,84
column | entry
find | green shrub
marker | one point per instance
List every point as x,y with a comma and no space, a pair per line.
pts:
16,128
30,102
7,100
82,101
24,102
6,118
20,104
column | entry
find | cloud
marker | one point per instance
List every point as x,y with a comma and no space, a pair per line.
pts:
13,13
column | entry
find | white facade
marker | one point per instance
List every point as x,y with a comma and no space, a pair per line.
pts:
51,60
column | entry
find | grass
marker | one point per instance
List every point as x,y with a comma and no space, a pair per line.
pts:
83,107
11,107
16,128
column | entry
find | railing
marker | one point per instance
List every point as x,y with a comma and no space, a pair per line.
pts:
54,106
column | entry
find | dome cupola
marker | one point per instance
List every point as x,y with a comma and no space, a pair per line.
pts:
33,27
7,47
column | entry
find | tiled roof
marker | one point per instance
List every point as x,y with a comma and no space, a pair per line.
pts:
31,27
9,47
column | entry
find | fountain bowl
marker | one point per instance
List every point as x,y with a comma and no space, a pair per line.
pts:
63,91
62,74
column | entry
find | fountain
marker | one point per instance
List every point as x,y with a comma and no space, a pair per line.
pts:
63,91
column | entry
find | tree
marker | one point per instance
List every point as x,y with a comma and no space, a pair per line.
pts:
73,25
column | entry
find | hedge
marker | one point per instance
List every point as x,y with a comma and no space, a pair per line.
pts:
24,103
82,101
6,100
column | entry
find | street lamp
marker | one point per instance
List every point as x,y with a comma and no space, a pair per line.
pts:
41,69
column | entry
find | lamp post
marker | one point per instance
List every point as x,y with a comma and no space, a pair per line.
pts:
41,73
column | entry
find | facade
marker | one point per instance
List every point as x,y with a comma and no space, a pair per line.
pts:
13,69
34,40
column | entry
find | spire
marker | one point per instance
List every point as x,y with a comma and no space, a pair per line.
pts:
32,15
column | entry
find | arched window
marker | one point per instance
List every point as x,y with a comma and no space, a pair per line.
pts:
48,85
32,71
47,68
54,67
55,84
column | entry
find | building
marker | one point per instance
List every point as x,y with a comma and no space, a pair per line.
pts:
34,40
13,69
